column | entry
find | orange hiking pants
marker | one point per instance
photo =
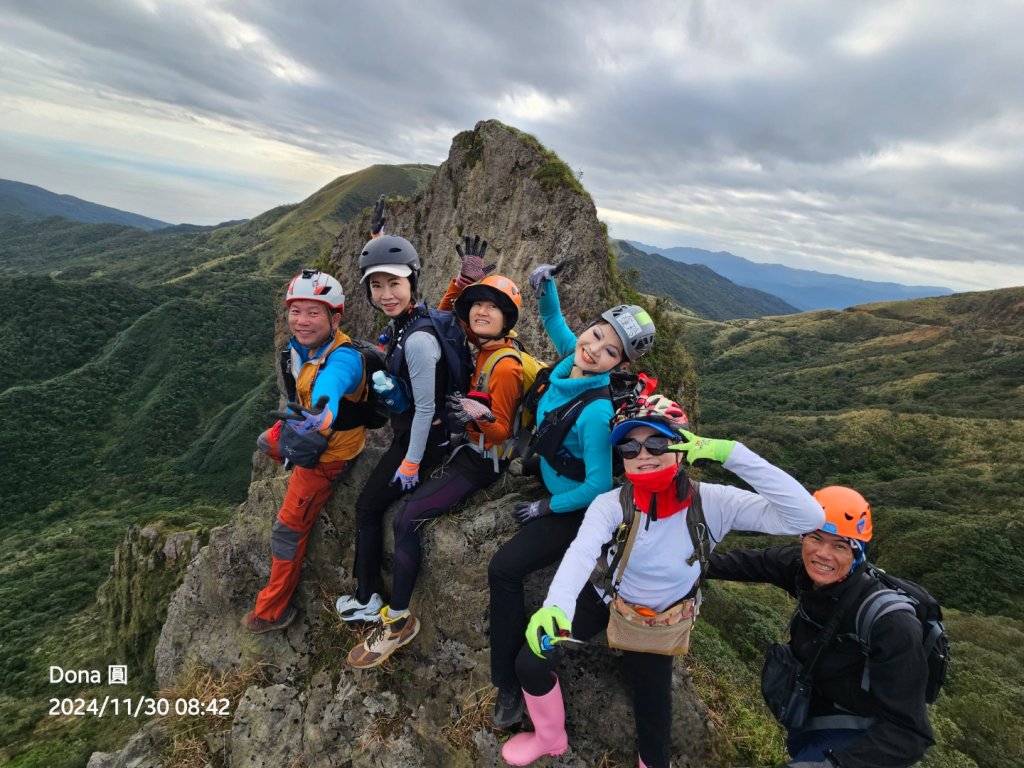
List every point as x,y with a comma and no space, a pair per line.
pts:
308,491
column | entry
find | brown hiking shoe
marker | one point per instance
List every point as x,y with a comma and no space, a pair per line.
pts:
258,626
386,638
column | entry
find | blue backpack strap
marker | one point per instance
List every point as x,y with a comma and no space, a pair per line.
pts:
875,606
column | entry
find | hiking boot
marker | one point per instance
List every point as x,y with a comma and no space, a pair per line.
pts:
386,638
350,609
508,708
258,626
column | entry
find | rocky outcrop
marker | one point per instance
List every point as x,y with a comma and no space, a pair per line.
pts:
149,562
503,185
428,706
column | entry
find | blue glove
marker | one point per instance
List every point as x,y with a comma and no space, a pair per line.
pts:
298,418
408,474
390,391
542,274
527,511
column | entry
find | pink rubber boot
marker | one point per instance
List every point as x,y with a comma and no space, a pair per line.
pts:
548,715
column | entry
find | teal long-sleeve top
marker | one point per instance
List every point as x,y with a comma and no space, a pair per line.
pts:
590,437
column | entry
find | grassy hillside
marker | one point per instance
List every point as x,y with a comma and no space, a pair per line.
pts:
696,287
137,371
919,405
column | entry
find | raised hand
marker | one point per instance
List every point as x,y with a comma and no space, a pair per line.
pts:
542,274
377,220
472,267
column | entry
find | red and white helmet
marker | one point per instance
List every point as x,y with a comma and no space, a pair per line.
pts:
314,285
657,411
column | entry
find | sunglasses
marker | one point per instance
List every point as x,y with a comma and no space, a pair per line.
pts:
656,445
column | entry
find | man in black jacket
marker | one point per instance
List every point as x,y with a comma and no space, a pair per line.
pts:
885,725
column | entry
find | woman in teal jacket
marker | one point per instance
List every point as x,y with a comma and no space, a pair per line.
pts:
575,477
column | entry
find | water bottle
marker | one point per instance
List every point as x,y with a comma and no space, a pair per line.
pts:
386,390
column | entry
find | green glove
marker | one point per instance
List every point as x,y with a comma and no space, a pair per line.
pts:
550,621
703,448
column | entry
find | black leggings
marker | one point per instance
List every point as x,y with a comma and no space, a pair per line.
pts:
649,674
375,498
536,545
458,478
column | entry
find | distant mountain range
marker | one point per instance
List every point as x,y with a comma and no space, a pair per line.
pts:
696,287
803,288
31,202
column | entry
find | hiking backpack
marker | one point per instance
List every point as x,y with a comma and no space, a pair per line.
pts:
368,411
458,362
532,368
546,438
905,595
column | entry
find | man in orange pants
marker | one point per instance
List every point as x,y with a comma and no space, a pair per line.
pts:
325,378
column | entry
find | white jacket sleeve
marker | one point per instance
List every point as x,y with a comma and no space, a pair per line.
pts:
781,506
599,523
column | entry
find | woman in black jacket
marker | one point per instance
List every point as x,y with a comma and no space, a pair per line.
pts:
885,725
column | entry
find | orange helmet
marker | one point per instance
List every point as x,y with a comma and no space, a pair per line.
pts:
497,288
847,513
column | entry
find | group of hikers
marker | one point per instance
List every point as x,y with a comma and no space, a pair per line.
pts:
846,700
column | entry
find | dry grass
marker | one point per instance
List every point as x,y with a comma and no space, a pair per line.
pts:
610,760
473,715
383,728
188,747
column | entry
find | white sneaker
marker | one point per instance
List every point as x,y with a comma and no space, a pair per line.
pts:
350,609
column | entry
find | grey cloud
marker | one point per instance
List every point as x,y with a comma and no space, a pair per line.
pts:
396,81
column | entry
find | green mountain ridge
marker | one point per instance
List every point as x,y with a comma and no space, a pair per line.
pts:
32,202
696,287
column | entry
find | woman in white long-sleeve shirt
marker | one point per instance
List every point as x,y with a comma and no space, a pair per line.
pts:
652,438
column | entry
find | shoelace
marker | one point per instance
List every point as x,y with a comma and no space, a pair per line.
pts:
378,632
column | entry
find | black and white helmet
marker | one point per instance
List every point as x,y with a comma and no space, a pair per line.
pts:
633,326
391,254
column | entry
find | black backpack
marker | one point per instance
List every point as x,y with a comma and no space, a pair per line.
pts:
546,438
905,595
370,411
458,362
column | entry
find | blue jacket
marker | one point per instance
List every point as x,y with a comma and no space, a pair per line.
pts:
590,437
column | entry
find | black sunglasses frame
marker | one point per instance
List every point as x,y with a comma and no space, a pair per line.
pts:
630,449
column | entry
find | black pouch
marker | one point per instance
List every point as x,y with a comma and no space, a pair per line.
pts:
784,686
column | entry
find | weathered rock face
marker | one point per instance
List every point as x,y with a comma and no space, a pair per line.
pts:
505,187
148,562
428,706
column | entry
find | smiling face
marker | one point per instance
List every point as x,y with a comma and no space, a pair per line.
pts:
486,320
598,350
827,557
392,294
645,462
311,322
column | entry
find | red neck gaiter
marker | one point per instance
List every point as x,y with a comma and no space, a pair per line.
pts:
656,493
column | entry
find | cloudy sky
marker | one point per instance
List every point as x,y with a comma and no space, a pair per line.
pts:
882,140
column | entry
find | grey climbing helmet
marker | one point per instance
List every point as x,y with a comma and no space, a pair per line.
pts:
383,253
634,327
